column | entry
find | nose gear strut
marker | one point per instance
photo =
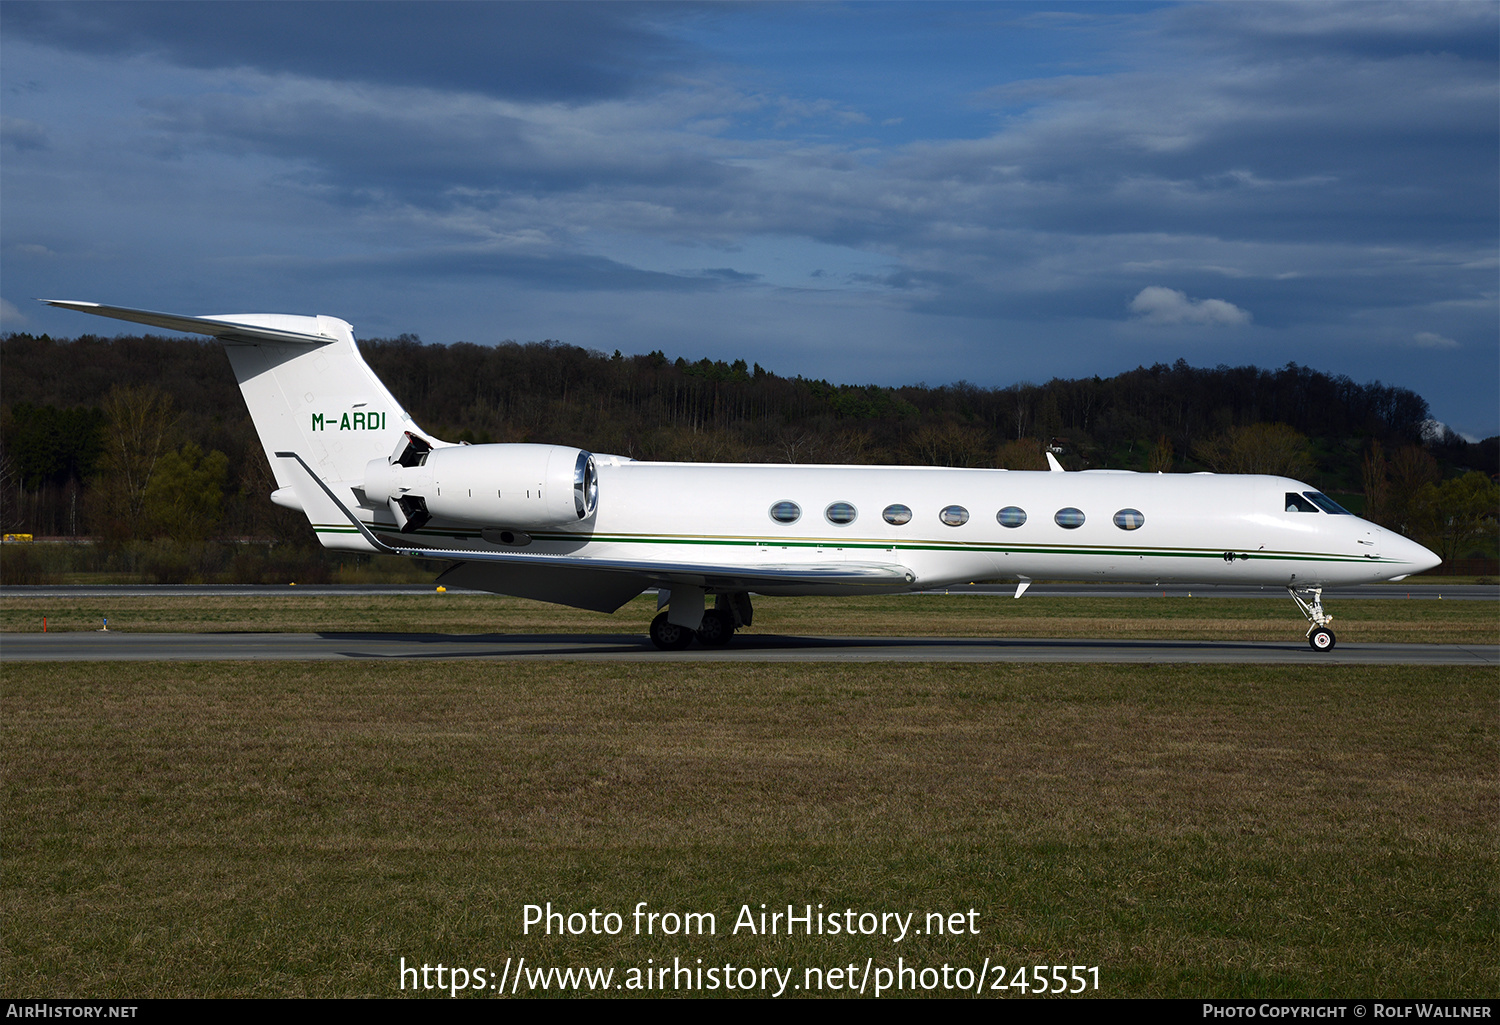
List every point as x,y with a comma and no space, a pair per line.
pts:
1318,635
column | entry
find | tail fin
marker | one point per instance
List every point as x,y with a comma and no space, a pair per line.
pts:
308,389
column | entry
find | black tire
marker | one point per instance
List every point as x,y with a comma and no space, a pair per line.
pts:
716,629
1321,639
669,636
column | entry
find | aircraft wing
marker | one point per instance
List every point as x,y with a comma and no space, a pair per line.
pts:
224,329
710,576
321,503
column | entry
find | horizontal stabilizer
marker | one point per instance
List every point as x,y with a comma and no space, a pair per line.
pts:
281,328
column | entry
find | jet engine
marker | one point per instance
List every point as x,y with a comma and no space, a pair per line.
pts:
522,486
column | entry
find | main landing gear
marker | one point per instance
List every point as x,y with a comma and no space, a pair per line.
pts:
714,630
668,636
1318,635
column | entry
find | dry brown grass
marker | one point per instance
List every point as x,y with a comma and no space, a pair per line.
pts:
293,829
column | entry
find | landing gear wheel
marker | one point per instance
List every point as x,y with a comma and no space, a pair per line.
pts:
1318,635
716,629
669,636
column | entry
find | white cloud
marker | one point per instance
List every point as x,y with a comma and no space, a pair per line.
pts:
1158,305
1432,340
11,317
20,134
1436,430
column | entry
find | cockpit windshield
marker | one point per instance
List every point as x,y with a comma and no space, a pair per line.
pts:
1327,504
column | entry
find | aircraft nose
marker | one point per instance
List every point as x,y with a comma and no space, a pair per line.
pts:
1419,558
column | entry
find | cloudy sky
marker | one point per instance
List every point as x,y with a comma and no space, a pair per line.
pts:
885,193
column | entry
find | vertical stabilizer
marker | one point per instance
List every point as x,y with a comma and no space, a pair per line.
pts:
321,401
308,389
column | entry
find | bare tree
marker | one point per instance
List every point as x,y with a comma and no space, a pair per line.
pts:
1162,458
1022,454
1377,480
1274,449
1412,468
140,421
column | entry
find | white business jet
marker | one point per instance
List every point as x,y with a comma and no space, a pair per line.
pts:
592,531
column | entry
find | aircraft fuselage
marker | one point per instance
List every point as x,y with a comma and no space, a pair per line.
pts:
1136,527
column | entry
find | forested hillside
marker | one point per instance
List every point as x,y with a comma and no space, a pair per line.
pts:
136,438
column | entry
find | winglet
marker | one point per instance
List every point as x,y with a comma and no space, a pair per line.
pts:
1053,464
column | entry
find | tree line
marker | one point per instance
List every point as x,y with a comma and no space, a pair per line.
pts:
141,437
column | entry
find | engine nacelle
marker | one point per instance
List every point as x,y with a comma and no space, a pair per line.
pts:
528,486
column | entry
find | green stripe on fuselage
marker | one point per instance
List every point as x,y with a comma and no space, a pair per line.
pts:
868,544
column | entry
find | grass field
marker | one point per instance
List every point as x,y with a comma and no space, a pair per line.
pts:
297,828
970,615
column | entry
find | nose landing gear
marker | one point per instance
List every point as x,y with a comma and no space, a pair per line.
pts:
1319,637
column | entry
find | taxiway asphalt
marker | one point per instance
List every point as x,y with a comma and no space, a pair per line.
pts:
210,647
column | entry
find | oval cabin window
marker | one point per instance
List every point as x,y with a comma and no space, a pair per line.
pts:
1069,519
1129,519
896,515
840,513
954,516
1011,516
786,512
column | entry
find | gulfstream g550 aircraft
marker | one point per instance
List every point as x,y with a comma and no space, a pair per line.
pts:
593,531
